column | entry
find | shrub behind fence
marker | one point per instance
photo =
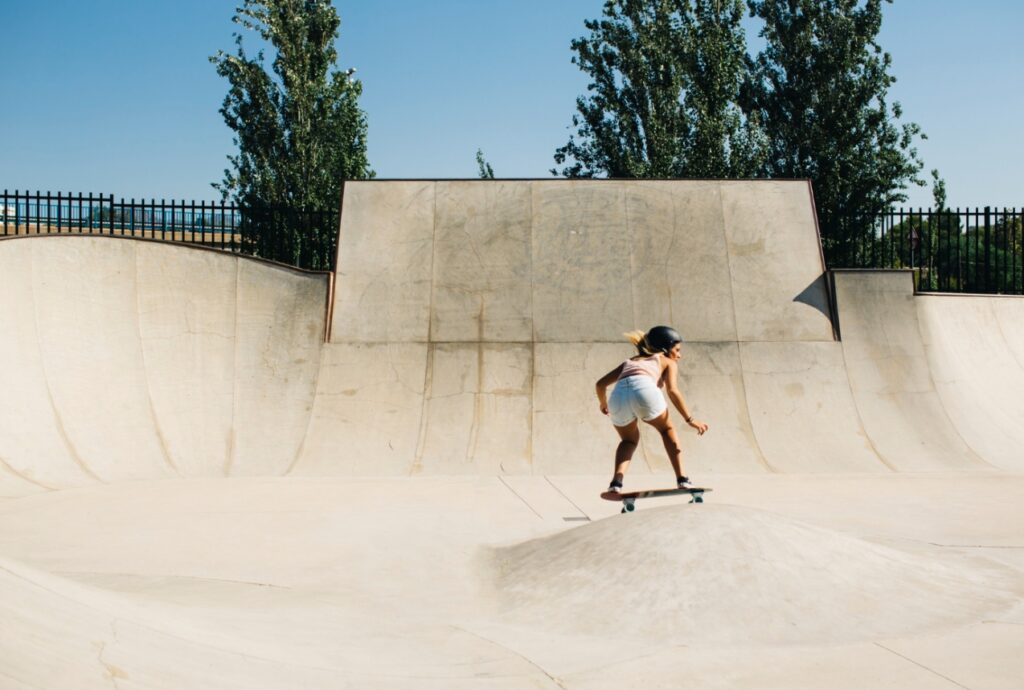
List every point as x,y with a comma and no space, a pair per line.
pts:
301,237
954,250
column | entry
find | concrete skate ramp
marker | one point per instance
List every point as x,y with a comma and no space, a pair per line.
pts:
936,378
891,375
127,360
471,319
468,324
974,346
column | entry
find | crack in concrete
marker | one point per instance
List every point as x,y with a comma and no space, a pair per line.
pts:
557,681
920,665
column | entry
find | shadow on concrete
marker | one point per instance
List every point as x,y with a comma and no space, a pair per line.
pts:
816,295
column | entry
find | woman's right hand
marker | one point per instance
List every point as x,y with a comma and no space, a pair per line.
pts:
700,426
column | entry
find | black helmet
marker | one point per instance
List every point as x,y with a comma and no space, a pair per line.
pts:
662,338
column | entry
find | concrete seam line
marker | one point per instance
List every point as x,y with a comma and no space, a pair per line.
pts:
161,438
58,418
229,460
7,467
739,343
533,338
516,494
428,372
582,512
856,408
938,394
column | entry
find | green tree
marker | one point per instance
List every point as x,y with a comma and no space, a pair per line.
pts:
820,89
937,265
1005,257
938,192
665,78
485,171
725,142
929,240
299,130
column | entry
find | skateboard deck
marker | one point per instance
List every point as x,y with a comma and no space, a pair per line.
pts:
628,498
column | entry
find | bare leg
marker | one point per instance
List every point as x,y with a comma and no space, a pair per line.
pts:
630,436
670,440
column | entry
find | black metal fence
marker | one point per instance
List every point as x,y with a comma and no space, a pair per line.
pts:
302,237
954,250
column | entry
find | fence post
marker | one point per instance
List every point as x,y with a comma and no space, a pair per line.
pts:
1013,246
988,249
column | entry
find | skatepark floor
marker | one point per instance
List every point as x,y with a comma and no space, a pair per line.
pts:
797,581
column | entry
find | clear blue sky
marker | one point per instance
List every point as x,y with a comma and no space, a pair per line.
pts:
117,96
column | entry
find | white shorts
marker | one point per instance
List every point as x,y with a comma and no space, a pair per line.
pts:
635,397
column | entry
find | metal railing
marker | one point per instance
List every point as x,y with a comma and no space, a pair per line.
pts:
302,237
954,250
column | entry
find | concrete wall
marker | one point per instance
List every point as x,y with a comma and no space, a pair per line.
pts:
472,318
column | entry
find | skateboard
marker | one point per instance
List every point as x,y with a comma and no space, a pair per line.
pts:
628,498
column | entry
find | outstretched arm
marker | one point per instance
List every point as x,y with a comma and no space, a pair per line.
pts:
602,386
676,396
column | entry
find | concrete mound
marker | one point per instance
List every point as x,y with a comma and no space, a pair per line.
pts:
723,575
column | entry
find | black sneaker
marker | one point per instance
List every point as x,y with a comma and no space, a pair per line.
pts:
615,487
684,483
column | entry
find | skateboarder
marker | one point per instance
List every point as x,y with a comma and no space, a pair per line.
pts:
637,394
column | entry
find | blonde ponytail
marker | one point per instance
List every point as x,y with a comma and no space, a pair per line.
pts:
639,339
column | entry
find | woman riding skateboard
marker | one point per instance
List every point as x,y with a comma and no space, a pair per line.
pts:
637,395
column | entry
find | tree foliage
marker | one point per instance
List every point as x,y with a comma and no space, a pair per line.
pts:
665,78
484,169
298,129
820,89
675,93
